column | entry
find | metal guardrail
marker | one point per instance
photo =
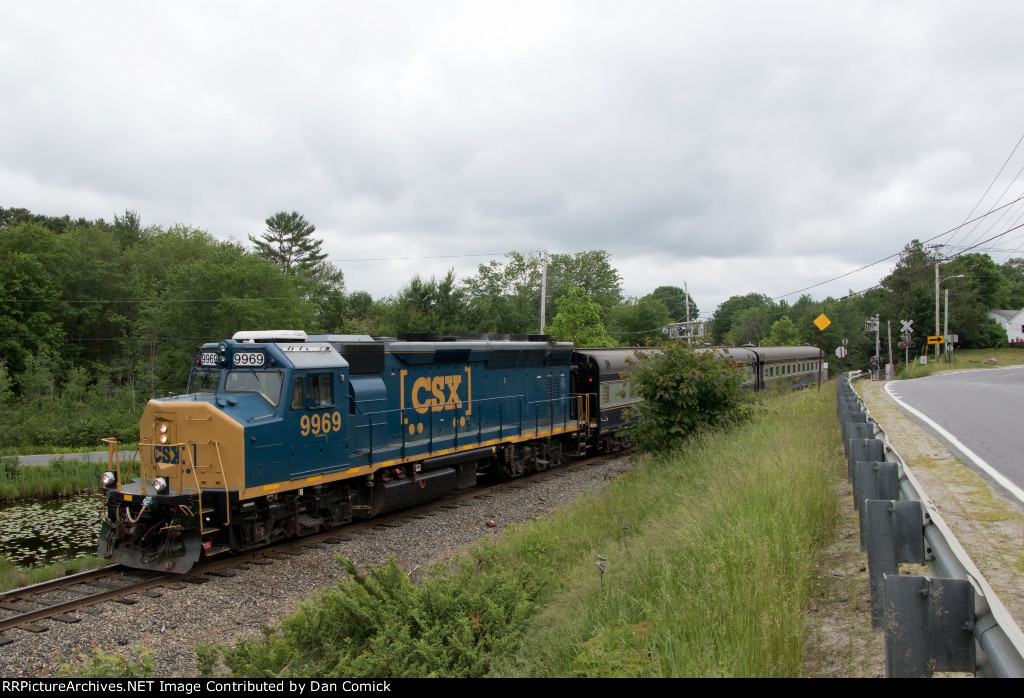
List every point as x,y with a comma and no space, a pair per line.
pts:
951,622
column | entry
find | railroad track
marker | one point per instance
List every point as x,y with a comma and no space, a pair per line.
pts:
61,600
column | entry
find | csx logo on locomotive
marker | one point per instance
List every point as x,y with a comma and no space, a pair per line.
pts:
428,394
167,455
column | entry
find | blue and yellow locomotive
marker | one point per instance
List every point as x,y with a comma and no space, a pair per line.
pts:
280,435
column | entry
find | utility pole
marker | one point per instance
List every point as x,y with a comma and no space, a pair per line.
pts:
888,324
936,307
543,286
686,292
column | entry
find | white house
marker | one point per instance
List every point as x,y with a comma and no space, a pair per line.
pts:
1012,321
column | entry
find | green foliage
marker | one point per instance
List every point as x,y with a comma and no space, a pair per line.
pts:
694,593
379,623
506,296
110,665
685,391
579,321
62,477
724,326
638,322
14,577
675,299
288,243
990,335
782,334
427,306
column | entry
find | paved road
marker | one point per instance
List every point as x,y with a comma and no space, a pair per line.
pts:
978,413
94,456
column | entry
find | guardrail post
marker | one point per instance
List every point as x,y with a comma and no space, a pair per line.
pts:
873,480
929,626
895,534
863,449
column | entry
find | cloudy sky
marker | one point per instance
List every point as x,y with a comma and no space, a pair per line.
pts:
739,146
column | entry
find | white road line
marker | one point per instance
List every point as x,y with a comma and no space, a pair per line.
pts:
978,460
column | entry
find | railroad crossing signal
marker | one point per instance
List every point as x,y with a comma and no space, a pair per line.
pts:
906,326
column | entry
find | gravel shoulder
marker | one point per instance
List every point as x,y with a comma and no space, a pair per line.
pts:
226,609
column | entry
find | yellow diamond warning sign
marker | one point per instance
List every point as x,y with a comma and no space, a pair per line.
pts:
821,322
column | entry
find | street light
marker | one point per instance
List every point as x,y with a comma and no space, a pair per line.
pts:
958,276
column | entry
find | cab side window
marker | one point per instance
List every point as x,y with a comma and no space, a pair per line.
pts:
319,392
313,391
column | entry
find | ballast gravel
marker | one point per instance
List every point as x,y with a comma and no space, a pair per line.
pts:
225,609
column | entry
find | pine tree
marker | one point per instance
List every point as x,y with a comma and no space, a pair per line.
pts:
289,243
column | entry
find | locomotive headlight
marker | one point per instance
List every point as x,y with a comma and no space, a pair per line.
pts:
160,485
163,428
108,479
163,438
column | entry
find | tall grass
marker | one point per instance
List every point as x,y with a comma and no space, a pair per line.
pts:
715,566
62,477
708,558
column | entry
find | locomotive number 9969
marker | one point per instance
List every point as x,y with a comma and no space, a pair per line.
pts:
320,424
249,358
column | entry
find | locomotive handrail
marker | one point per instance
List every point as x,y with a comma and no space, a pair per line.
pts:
184,446
114,458
522,401
224,480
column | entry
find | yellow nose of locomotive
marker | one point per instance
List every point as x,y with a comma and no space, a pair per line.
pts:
176,506
190,447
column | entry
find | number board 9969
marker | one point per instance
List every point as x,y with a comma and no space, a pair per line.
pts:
249,358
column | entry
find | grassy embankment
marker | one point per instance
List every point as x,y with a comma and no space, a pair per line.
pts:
708,558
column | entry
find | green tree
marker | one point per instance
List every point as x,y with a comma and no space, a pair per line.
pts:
725,326
782,334
288,242
638,321
507,294
674,299
685,391
1013,291
579,321
434,305
591,271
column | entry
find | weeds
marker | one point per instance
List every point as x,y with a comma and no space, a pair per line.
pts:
723,534
62,477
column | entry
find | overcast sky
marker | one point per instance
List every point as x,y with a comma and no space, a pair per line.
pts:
739,146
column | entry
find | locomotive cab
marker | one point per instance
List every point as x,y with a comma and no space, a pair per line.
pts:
211,462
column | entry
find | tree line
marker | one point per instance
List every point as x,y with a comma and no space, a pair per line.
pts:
99,316
975,282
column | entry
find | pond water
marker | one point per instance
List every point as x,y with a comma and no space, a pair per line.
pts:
40,532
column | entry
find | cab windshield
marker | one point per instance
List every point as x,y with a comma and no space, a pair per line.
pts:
266,383
203,380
